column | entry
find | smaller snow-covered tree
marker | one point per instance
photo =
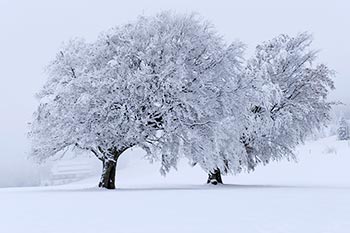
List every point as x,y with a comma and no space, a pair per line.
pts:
298,91
343,130
289,98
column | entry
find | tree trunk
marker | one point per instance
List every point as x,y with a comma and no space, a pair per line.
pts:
215,177
251,157
109,162
110,168
108,174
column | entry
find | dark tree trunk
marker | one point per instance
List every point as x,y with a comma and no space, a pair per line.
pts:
108,174
215,177
110,168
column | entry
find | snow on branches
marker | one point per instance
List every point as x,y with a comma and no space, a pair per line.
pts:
295,91
161,83
170,85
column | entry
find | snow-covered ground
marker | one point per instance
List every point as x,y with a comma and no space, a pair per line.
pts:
312,196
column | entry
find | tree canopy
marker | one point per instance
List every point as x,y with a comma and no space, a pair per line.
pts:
171,85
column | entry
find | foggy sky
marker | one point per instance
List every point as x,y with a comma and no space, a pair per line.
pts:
32,31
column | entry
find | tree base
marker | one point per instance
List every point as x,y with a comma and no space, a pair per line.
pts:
215,178
110,167
108,175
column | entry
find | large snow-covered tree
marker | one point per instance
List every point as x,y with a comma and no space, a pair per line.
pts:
161,83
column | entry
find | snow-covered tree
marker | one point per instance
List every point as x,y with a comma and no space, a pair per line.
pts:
343,130
161,83
288,99
297,92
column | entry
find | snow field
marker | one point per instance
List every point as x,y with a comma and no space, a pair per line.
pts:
312,196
